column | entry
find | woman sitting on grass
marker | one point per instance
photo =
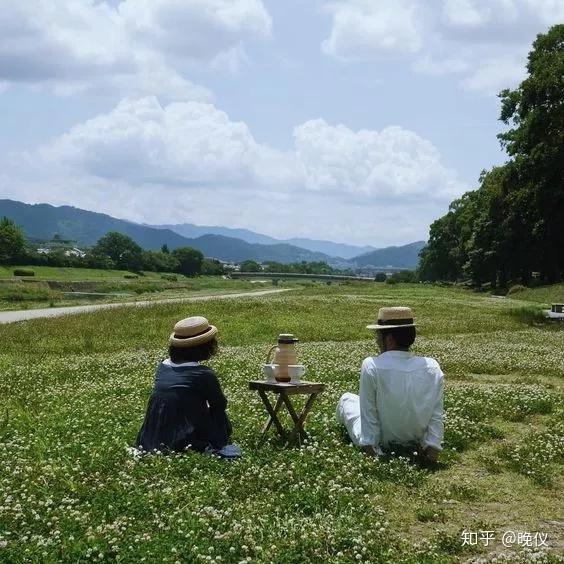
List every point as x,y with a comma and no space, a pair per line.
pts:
187,406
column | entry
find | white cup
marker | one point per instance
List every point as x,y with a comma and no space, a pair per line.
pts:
269,371
296,371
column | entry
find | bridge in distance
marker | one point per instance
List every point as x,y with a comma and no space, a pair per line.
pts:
300,276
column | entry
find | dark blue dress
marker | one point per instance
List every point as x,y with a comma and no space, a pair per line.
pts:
186,410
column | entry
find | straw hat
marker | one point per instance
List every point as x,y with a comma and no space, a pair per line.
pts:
192,331
392,317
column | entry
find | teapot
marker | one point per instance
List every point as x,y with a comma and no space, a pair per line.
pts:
284,355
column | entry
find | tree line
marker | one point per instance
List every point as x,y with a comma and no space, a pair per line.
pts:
112,251
304,267
512,227
118,251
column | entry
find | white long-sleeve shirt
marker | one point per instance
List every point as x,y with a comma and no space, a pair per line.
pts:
401,400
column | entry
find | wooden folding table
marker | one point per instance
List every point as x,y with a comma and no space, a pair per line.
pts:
284,391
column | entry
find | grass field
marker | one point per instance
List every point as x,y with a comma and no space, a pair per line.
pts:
70,289
73,393
63,273
546,295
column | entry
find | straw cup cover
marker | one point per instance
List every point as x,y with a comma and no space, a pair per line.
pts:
192,331
392,317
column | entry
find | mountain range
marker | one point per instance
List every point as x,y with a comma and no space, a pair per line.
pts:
406,256
318,246
42,221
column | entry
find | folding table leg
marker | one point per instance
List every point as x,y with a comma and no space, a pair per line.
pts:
298,422
270,420
304,414
273,417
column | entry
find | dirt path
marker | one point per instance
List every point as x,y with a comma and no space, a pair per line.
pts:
23,315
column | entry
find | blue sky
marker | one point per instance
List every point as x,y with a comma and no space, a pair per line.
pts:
351,120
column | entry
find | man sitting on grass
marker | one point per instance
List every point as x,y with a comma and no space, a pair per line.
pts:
400,407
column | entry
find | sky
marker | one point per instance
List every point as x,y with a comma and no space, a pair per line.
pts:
356,121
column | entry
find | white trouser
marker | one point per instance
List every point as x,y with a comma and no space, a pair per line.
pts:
348,414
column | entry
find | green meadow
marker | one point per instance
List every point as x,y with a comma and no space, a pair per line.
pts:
56,287
71,273
73,392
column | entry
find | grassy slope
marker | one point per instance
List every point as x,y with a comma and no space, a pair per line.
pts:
545,295
38,294
71,413
61,273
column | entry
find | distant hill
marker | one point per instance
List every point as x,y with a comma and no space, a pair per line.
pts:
406,256
318,246
236,250
193,231
330,248
42,221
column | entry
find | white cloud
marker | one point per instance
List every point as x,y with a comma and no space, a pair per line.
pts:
190,144
465,13
188,161
363,29
391,163
141,141
199,29
59,40
471,38
137,47
496,73
195,144
499,21
231,60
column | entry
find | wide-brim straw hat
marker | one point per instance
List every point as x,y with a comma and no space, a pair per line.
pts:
192,331
393,317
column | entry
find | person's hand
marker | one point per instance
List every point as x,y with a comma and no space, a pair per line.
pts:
430,454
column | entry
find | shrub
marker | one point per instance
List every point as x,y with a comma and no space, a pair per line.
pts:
530,315
146,287
33,292
130,276
405,276
169,277
380,277
391,281
23,272
516,289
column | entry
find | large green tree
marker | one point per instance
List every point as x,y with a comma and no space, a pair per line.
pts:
535,141
159,261
446,253
212,267
122,250
190,260
12,242
250,266
513,224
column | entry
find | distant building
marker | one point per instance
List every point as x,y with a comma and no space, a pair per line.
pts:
226,264
69,247
74,252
